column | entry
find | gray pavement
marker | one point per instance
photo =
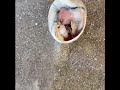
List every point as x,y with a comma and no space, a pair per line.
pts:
44,64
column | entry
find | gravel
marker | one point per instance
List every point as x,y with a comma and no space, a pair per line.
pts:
44,64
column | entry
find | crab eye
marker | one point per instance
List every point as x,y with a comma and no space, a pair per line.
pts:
73,7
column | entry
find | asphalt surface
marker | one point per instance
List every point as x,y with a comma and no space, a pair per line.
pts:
44,64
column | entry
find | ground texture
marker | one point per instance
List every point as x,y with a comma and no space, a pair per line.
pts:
44,64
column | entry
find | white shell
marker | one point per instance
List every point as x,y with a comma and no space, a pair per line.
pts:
52,16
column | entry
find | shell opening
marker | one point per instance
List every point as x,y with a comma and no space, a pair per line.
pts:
71,24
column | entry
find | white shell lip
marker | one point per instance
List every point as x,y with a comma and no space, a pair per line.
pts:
50,22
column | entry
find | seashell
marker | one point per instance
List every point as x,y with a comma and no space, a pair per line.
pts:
67,20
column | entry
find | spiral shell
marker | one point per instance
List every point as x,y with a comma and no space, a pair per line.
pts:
67,20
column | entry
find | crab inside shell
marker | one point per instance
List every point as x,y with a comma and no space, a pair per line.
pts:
66,23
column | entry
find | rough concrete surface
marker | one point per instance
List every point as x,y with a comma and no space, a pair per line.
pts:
44,64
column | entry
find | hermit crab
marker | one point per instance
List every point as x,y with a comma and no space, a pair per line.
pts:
67,20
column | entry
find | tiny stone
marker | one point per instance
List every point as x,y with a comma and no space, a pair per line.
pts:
36,23
20,18
95,58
